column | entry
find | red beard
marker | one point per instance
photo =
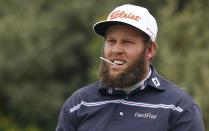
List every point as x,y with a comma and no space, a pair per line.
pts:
130,76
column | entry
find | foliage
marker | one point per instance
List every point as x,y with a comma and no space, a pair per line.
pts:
183,48
48,50
44,57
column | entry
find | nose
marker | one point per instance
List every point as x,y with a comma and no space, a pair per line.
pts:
117,48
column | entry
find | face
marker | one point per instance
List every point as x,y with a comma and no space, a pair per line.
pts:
125,47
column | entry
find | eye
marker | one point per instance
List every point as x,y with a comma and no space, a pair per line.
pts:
128,42
110,41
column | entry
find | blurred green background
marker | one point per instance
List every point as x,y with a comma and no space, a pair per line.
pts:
48,50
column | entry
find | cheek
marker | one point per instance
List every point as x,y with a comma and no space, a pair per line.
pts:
135,56
106,51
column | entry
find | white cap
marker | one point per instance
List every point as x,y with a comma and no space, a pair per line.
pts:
132,15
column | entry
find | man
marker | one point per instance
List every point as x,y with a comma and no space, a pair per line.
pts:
130,95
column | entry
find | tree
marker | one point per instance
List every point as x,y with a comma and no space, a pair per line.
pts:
182,54
44,57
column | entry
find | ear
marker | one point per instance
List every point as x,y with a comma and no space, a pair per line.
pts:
151,49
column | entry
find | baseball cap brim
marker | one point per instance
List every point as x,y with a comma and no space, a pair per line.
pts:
101,27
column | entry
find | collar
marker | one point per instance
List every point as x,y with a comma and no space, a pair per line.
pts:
153,80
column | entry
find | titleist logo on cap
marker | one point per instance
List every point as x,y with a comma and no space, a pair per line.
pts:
123,14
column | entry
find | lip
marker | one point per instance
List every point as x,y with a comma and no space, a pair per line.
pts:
116,67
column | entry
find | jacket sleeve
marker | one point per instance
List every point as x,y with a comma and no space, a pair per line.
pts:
65,122
189,120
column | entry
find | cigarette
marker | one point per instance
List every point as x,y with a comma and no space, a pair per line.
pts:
108,61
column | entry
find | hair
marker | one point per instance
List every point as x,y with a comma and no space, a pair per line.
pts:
146,39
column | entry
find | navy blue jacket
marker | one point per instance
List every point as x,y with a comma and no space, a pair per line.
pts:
160,106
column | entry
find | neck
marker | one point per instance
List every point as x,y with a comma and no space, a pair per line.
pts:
139,84
147,71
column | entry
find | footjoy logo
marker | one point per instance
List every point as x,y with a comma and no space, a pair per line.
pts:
145,115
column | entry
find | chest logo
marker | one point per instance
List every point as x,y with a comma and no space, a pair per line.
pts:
145,115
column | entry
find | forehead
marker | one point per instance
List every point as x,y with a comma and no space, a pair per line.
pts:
124,30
